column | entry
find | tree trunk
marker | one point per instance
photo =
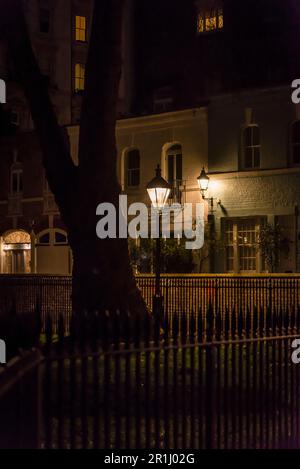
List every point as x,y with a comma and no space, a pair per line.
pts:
102,274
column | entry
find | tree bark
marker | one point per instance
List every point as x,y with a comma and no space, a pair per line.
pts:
102,273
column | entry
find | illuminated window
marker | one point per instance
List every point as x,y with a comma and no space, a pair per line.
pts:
79,77
208,21
252,148
80,28
295,143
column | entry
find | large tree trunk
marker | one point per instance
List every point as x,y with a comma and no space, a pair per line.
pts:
102,275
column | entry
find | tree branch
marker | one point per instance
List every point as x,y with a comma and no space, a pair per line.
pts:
60,169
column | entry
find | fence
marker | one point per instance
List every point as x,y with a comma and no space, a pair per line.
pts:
182,294
20,399
225,381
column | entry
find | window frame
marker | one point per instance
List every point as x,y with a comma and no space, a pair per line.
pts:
129,172
206,18
79,79
18,172
80,29
253,147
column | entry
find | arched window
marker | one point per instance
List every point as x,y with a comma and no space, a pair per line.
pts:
174,164
251,147
133,168
295,143
54,237
60,238
16,179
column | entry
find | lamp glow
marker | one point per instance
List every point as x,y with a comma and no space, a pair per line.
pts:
158,190
203,181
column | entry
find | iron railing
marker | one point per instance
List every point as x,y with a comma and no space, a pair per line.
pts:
224,383
183,294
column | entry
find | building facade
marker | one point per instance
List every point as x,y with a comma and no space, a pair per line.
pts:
255,171
33,238
59,32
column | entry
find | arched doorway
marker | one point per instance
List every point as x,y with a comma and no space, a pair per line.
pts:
17,253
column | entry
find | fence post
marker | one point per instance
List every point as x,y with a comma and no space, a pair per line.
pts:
209,371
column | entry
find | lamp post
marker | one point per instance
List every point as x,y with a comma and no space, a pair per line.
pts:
158,190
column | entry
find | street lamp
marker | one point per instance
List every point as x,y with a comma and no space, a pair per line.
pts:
203,181
158,190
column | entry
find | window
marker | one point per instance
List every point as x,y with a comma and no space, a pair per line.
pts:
44,239
80,28
251,147
45,17
295,143
79,77
60,238
174,167
16,181
208,21
241,237
174,160
133,168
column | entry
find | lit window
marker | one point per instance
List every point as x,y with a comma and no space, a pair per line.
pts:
295,143
208,21
80,28
79,77
133,168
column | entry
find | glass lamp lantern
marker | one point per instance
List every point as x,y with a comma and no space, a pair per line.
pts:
203,181
158,190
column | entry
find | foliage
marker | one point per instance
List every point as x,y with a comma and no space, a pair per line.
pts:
175,258
271,243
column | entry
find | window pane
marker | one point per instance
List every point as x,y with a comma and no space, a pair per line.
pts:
79,77
248,137
179,167
133,159
256,157
171,167
14,182
255,136
80,28
60,238
45,239
248,158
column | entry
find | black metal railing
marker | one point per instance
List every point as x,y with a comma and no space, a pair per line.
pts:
219,381
20,402
183,294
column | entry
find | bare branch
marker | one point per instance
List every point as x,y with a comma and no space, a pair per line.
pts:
57,160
